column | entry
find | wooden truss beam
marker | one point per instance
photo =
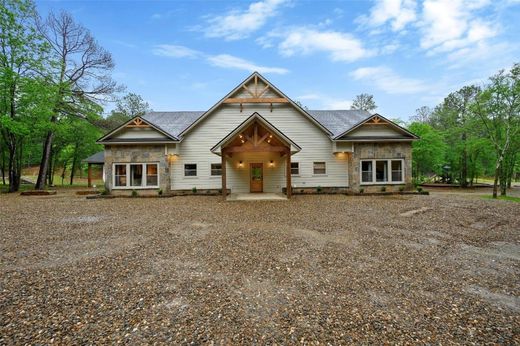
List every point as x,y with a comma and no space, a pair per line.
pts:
257,100
241,149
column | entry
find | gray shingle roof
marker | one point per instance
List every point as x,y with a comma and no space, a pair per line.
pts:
96,158
339,121
336,121
173,122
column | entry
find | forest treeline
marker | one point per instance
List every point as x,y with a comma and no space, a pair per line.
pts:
474,132
55,79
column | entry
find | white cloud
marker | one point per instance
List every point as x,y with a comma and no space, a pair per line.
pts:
398,13
229,61
339,45
337,104
447,25
237,24
326,102
220,60
387,80
175,51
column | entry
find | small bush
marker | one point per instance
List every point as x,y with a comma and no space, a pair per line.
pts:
160,192
401,188
318,189
134,193
419,189
383,188
194,189
220,191
105,192
301,191
361,190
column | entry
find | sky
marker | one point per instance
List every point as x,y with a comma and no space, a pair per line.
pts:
187,55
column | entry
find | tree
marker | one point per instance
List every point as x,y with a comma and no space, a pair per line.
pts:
498,108
429,152
364,102
81,76
23,94
422,115
453,117
132,105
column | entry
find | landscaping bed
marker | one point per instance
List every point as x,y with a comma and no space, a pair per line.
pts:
403,269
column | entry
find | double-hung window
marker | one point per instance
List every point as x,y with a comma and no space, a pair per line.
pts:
216,169
136,175
295,168
382,171
190,170
319,168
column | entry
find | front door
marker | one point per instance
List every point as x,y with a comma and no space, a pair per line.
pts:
257,177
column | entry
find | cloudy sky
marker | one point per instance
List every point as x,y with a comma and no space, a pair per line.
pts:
186,55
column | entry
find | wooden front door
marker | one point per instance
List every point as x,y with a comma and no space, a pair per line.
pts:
257,177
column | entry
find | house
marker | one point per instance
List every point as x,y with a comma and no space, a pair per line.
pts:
256,139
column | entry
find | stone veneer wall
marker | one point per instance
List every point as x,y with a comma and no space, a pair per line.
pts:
395,150
137,154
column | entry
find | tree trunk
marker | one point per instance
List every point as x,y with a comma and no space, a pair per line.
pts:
14,171
464,164
3,165
44,163
495,182
74,163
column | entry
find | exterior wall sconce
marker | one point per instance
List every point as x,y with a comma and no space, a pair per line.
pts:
271,163
240,164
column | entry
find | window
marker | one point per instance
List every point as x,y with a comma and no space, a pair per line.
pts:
216,169
295,168
320,168
120,175
366,171
190,170
382,171
397,170
136,175
152,179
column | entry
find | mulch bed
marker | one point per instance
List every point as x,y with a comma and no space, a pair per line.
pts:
38,193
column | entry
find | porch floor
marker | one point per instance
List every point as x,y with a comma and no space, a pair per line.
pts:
264,196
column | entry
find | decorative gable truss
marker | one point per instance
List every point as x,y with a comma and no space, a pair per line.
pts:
137,131
376,128
256,89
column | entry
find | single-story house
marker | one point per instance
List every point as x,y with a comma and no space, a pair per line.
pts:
256,139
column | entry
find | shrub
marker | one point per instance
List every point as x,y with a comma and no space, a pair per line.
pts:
194,189
160,192
419,189
383,188
401,188
220,191
301,191
134,193
104,192
318,189
361,190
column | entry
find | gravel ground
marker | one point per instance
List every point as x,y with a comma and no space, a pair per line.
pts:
315,269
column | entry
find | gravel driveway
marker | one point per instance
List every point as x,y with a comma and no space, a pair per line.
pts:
327,269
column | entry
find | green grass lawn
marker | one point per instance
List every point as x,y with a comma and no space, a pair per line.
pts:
504,198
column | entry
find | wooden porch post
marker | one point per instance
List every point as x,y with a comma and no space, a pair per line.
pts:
89,175
223,162
288,172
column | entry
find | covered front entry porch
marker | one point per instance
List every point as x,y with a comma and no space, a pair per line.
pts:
256,158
